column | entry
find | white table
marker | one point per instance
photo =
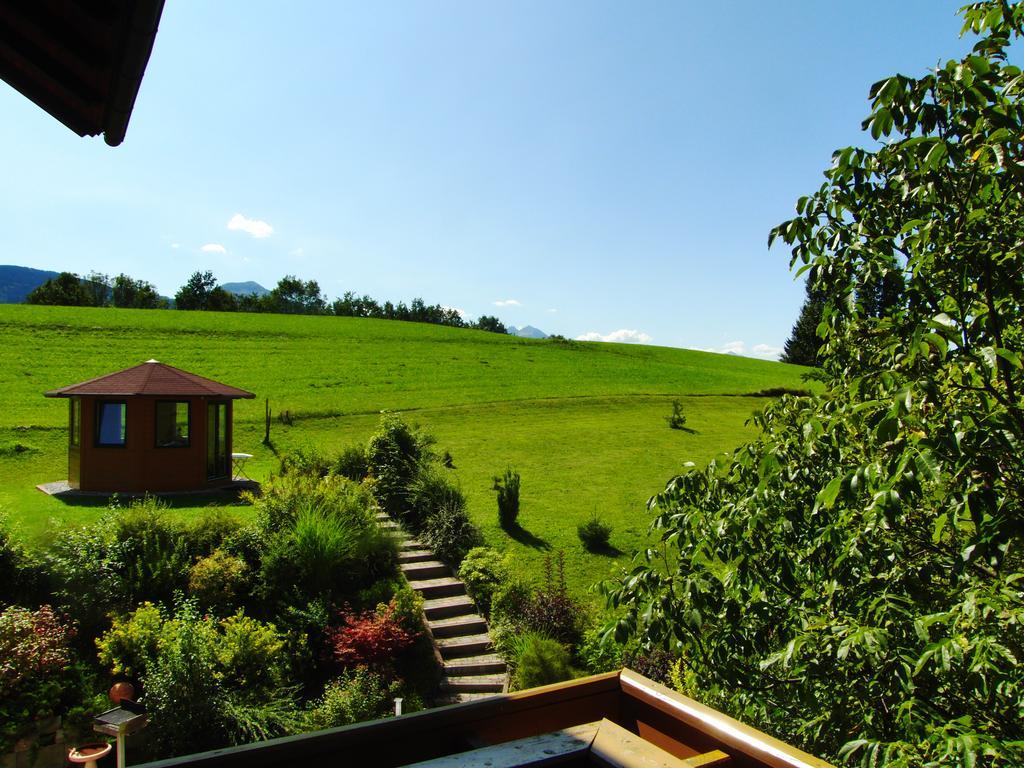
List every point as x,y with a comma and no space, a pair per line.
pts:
238,464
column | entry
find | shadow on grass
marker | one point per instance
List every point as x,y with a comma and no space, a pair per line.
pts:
605,550
523,536
690,430
227,497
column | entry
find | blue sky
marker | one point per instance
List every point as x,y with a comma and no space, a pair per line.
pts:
595,169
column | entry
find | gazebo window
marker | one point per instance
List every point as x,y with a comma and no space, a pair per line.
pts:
172,424
75,417
110,423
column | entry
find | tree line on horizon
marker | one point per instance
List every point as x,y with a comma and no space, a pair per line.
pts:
201,292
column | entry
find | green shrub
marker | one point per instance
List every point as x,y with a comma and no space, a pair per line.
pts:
594,534
249,655
509,602
307,461
430,491
507,486
352,463
450,534
21,577
132,642
183,696
219,581
407,608
281,500
484,571
355,695
540,660
393,455
151,551
677,419
599,653
332,551
210,530
86,566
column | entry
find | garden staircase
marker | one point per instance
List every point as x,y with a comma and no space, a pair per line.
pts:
462,644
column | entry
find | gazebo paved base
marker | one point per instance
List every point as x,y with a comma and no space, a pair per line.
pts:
61,489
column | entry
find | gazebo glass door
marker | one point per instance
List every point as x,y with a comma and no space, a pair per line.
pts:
217,441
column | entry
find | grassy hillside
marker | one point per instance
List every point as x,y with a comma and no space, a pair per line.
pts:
584,423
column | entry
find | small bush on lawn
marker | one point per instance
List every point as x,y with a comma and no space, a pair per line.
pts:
540,660
219,581
507,486
371,638
677,419
450,534
594,534
484,571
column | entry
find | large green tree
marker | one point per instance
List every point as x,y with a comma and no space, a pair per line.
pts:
852,580
801,347
65,289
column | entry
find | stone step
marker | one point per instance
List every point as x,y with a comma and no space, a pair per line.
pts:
473,684
461,698
484,664
415,556
470,624
411,544
466,645
445,586
425,569
443,607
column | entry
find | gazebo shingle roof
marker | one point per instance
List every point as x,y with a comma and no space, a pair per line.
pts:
151,378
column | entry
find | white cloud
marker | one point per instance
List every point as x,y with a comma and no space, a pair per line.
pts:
761,351
458,310
254,227
623,336
507,303
213,248
175,245
552,311
767,351
296,253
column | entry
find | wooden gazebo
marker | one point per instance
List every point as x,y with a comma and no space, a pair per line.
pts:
150,428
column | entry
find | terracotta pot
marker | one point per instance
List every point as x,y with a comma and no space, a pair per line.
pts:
121,690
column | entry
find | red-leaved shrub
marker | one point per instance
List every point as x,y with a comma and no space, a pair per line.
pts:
371,638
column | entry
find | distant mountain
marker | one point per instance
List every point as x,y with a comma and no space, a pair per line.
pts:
18,282
527,332
246,288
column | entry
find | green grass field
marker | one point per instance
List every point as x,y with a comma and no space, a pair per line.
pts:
584,423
